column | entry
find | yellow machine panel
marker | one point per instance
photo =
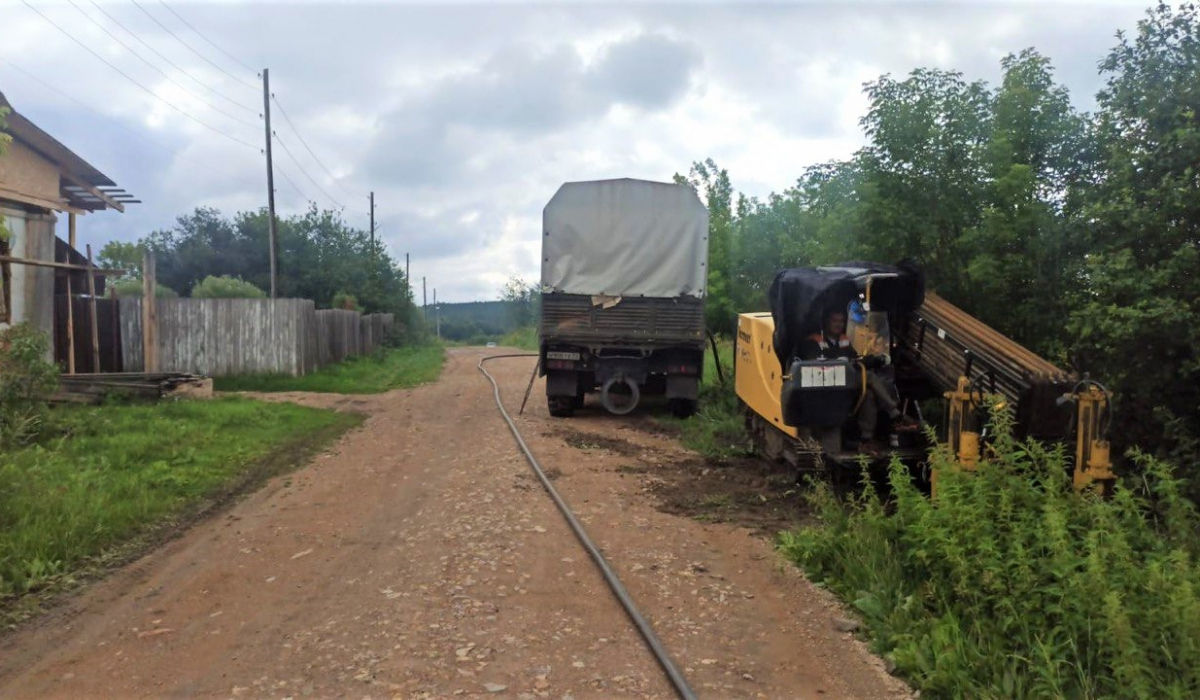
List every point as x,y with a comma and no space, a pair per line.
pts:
758,379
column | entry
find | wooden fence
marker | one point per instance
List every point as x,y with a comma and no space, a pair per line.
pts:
109,342
220,337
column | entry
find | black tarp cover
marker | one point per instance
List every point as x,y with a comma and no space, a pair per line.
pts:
800,295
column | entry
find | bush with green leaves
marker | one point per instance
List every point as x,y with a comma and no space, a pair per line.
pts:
27,379
132,287
226,287
1009,584
345,300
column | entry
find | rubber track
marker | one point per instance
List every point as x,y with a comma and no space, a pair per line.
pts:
674,675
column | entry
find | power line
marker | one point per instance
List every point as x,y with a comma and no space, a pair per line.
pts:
293,184
143,87
169,62
119,125
104,29
201,35
296,131
304,172
189,46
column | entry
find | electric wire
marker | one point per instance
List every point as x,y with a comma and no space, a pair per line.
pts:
189,46
289,181
145,89
169,62
119,125
674,675
296,131
161,72
304,172
202,36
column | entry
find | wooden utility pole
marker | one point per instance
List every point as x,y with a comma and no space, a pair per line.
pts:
70,303
372,224
91,283
149,315
424,306
407,279
266,80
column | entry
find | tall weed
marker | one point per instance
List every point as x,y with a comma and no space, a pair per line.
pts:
1011,585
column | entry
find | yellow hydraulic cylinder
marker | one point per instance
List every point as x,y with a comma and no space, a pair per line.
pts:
968,450
1093,462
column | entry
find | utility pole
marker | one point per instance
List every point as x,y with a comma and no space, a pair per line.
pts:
372,225
407,279
266,80
424,306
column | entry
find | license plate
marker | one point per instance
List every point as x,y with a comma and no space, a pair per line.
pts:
572,356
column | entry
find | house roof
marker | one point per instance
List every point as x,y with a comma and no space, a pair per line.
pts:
82,186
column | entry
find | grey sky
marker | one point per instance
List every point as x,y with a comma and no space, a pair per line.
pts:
464,118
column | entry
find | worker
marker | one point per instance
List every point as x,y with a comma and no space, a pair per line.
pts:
832,343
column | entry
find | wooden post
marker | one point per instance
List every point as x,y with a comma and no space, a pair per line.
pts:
115,315
91,282
149,315
70,301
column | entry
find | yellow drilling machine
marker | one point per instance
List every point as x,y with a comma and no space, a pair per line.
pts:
838,370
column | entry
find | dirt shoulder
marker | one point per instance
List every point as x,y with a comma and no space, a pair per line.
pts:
418,558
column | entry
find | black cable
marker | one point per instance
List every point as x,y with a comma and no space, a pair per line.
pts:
674,675
161,72
305,172
294,185
171,63
119,125
147,90
296,131
202,36
716,356
189,47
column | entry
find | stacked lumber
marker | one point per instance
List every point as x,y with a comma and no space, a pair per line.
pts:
947,343
93,388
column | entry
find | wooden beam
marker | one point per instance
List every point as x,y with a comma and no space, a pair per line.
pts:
59,266
92,310
93,191
149,315
70,303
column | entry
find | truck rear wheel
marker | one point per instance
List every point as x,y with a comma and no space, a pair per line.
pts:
561,406
682,408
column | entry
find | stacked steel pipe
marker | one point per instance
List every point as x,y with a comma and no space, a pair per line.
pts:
948,343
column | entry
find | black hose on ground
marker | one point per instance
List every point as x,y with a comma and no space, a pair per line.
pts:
674,675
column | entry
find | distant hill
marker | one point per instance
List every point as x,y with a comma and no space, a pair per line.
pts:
474,319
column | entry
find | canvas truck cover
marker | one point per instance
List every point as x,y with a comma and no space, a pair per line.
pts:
621,238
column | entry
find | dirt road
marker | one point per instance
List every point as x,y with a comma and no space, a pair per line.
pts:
420,559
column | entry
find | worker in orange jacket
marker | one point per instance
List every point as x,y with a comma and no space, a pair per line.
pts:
832,343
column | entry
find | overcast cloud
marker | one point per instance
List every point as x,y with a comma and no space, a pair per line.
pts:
464,118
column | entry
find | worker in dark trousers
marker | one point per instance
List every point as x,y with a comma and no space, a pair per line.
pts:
832,343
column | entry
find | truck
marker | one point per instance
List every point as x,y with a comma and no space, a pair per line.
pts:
624,272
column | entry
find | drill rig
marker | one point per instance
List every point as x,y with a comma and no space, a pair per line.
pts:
799,411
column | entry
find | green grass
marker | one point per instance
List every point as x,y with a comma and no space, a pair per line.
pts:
523,338
109,473
396,368
1011,585
718,430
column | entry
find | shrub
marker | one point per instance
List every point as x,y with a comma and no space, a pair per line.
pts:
27,379
345,300
132,287
1011,585
226,287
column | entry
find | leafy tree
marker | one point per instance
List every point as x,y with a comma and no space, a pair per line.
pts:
712,184
116,255
522,298
1137,322
226,287
342,300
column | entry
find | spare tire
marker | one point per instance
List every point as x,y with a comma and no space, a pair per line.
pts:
620,395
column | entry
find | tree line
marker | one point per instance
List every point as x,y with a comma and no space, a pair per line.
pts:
1077,234
320,257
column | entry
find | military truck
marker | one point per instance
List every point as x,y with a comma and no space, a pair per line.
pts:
624,269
